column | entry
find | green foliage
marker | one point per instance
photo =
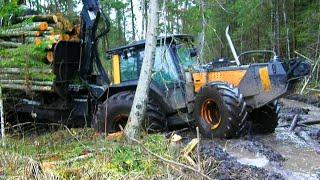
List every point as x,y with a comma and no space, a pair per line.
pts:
9,8
116,36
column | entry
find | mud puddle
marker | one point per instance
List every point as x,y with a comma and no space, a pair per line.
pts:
277,153
281,155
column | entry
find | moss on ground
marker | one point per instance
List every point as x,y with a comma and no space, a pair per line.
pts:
111,159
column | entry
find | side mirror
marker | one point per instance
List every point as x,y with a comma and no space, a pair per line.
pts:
193,52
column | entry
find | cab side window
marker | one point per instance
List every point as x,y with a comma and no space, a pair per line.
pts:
164,71
129,67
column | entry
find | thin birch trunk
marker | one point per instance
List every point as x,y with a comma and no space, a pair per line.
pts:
2,118
142,5
287,29
132,129
132,21
202,34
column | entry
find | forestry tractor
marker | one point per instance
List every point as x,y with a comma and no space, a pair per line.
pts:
221,97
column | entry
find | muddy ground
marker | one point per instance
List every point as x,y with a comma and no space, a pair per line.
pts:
282,155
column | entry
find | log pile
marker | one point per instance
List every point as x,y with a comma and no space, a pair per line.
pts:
26,50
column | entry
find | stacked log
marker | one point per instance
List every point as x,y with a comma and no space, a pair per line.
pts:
37,28
26,50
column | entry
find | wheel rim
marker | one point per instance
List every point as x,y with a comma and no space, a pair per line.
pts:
210,113
120,120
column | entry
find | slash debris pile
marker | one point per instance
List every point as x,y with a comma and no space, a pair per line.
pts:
26,50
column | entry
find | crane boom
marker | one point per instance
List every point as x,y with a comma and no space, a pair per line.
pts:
91,15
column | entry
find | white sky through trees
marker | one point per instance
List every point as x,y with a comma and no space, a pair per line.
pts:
138,19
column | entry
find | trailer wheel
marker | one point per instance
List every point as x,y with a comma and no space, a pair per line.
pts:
265,119
114,112
220,111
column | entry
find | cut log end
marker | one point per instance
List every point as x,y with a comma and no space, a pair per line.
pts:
43,26
64,37
54,18
50,57
37,41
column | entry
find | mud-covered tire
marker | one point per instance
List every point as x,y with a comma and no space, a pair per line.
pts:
265,119
232,110
116,109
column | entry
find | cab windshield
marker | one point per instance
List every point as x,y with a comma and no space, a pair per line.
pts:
186,54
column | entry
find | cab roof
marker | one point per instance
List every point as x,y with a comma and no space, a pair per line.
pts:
141,43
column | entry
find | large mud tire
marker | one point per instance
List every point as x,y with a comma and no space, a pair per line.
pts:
265,119
231,112
116,109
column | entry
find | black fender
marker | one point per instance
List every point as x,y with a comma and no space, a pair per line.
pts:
264,83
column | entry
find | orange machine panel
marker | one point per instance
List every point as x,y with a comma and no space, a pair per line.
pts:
230,77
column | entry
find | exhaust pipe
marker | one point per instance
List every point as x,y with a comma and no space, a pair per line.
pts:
233,50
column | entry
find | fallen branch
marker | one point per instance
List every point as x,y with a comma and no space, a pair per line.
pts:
166,160
170,161
313,69
188,149
75,159
310,141
294,123
312,89
310,122
198,149
299,54
21,124
288,125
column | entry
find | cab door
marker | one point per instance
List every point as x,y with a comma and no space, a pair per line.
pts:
166,77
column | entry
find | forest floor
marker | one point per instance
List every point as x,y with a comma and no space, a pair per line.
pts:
48,152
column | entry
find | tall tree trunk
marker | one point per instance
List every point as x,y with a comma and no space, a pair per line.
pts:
176,19
294,28
118,18
202,34
273,29
139,106
164,18
124,24
132,21
278,27
144,17
2,118
286,27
